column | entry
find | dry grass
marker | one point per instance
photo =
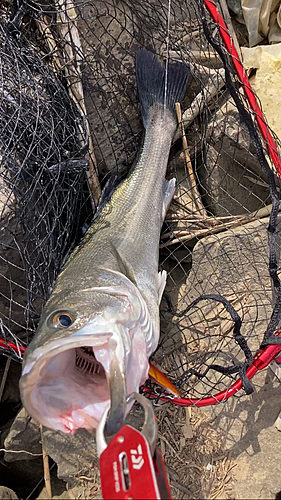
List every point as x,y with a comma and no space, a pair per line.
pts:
196,467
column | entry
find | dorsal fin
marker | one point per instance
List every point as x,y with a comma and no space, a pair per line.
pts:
125,266
107,192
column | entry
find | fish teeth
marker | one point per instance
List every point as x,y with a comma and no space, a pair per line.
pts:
87,367
86,363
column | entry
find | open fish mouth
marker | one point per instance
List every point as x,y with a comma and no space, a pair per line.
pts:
66,385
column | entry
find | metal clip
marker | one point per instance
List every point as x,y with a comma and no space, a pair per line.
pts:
149,428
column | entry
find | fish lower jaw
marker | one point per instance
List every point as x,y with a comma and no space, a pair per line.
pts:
78,419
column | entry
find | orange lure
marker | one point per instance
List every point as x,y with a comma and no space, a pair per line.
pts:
161,379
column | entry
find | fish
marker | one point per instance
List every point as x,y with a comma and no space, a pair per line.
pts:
101,323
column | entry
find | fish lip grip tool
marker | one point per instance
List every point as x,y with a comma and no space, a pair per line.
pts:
130,465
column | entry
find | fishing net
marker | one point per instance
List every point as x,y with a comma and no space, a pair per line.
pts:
70,118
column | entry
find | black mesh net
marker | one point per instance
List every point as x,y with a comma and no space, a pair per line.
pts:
70,118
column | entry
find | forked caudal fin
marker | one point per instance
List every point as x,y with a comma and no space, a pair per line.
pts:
150,74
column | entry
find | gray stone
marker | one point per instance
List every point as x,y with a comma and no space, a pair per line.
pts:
7,494
109,81
12,277
234,264
113,116
235,5
250,438
231,177
77,460
24,435
59,489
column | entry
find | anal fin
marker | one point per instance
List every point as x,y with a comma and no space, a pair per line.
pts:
162,278
169,191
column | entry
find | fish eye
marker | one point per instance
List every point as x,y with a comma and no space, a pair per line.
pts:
62,320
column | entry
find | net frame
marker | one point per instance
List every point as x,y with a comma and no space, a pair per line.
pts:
266,354
255,108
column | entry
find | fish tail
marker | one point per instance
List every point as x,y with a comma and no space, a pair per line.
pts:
153,87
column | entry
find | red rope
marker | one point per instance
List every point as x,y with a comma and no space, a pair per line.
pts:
242,75
5,344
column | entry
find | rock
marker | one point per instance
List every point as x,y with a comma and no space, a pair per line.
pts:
77,461
235,6
247,426
216,259
109,81
231,177
65,495
12,276
113,115
23,435
266,59
7,494
230,187
234,264
59,491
